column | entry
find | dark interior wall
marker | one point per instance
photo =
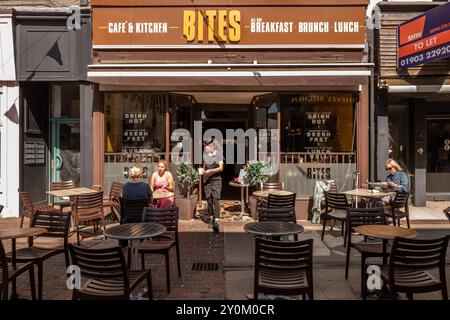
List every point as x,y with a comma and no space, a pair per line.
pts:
35,129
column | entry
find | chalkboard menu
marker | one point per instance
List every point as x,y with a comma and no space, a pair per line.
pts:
34,153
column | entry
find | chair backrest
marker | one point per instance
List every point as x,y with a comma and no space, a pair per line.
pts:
62,185
282,256
400,200
336,201
89,203
115,191
272,186
167,217
418,254
27,203
132,209
362,216
281,201
100,264
277,214
56,223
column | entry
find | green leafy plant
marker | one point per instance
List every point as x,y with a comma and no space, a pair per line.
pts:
187,177
258,172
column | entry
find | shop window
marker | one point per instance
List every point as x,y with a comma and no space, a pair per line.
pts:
135,122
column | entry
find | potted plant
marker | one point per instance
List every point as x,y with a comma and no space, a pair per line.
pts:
187,200
258,172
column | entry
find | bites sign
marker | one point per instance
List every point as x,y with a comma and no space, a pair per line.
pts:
425,38
167,27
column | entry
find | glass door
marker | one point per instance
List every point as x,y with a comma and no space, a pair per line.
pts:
65,156
438,155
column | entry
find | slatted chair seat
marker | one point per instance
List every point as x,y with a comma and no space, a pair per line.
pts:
288,280
156,245
407,279
371,248
33,253
340,215
111,288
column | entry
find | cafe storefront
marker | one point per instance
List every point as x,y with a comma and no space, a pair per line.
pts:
299,68
413,95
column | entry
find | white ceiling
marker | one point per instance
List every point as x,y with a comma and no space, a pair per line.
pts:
224,97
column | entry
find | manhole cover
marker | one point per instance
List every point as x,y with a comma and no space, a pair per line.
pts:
205,266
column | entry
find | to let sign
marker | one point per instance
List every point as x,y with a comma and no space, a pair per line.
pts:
425,38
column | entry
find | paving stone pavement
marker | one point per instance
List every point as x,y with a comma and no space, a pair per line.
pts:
232,249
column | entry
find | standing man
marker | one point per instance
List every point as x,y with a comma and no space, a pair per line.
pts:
212,181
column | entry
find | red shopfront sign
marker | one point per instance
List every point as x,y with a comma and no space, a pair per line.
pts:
425,38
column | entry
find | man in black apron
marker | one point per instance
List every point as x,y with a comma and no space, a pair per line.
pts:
212,182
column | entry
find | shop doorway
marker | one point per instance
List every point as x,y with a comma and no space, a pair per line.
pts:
222,118
438,155
65,150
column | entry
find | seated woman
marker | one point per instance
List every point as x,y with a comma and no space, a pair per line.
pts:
163,180
136,188
397,180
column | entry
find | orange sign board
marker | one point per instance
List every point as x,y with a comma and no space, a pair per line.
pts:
189,26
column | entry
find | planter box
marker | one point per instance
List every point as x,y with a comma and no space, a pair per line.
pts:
187,206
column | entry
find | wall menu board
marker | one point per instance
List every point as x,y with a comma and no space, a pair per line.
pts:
34,153
135,128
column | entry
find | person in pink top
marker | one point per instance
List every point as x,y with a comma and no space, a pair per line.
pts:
162,180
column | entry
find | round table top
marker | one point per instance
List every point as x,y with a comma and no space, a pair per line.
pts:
367,193
386,232
159,194
273,228
135,231
21,233
265,193
237,184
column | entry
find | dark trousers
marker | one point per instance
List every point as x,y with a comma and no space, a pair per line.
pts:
213,188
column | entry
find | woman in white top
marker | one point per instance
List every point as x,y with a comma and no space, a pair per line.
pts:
163,180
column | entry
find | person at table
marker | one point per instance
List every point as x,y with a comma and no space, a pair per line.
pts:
212,181
162,180
136,188
396,179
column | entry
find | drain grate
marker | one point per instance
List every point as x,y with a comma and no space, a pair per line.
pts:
205,266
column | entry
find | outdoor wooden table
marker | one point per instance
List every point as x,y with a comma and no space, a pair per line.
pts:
385,232
273,228
134,233
243,187
265,193
159,194
367,193
13,234
70,192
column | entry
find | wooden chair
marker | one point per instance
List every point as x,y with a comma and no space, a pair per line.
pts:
283,268
281,201
106,273
88,207
8,273
28,209
113,201
268,186
61,185
409,263
132,209
57,225
336,205
393,210
162,244
357,217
